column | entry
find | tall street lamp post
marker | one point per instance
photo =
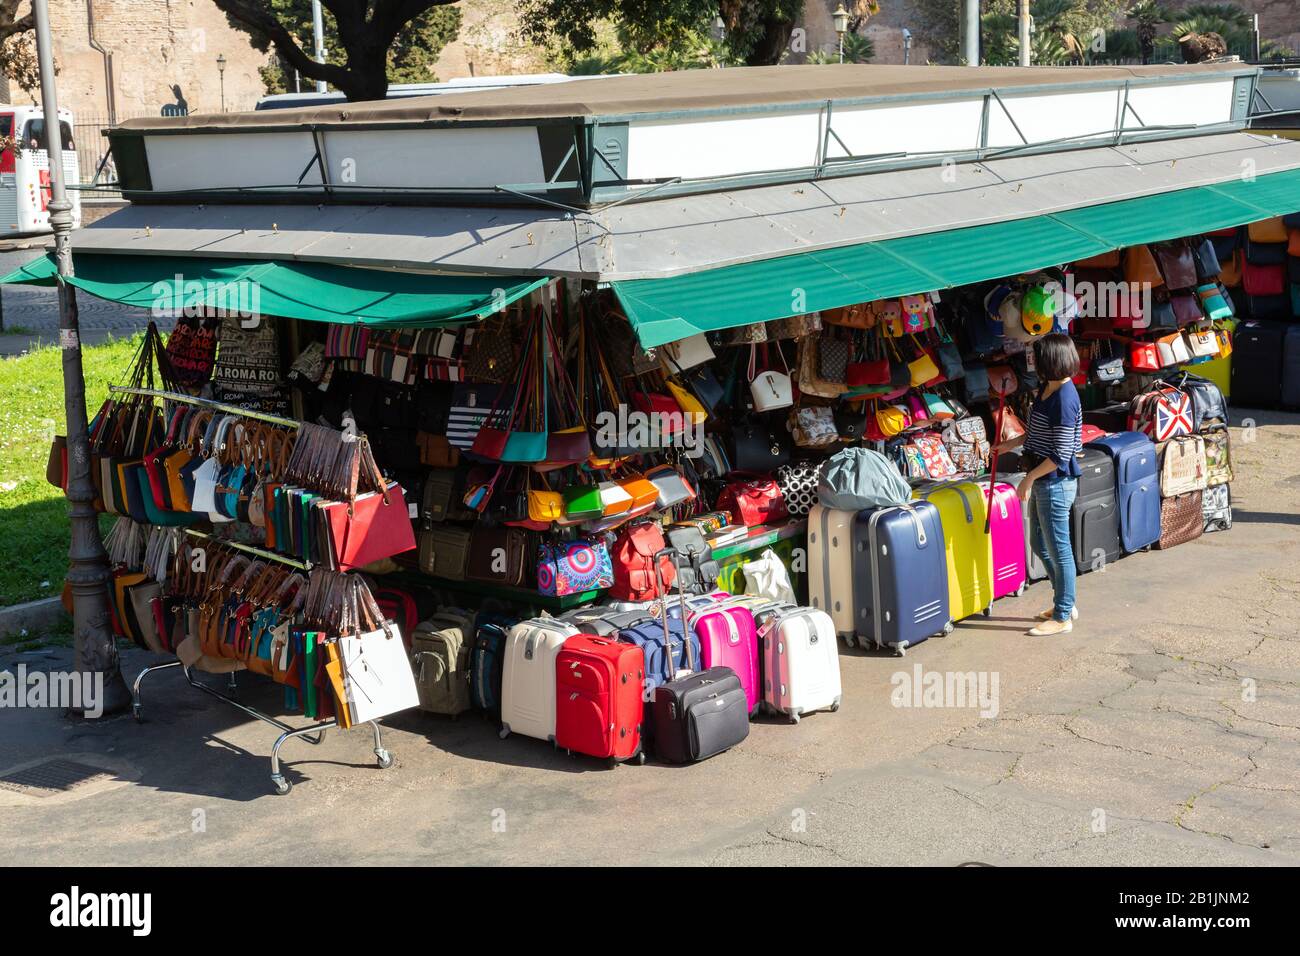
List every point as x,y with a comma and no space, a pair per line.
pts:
221,72
95,652
841,20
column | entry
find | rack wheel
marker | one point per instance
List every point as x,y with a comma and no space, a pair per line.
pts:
282,786
385,758
848,640
503,733
137,713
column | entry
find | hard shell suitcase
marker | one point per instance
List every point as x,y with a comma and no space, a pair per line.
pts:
1290,388
801,660
440,652
900,576
962,510
830,566
1137,477
1182,519
1094,518
1007,539
1257,359
598,701
699,715
1011,469
528,677
728,638
1216,508
601,621
486,662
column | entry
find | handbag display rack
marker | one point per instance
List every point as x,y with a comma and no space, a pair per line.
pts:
313,733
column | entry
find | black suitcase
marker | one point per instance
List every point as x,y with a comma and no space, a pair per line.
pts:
1290,389
700,715
1257,364
1094,518
1110,418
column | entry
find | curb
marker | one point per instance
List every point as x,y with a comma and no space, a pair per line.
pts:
35,616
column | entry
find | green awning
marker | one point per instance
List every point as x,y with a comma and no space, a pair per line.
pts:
295,290
664,310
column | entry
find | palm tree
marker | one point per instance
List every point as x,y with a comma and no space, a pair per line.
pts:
1147,15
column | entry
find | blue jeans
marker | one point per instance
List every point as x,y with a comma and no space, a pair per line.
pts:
1051,500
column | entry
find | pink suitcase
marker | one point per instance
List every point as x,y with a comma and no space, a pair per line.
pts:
728,638
1007,537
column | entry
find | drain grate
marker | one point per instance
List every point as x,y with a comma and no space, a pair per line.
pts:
52,777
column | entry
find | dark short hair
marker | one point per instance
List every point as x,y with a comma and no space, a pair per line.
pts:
1055,357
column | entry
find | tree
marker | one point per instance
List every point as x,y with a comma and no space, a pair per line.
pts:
857,49
1147,15
754,32
17,52
380,40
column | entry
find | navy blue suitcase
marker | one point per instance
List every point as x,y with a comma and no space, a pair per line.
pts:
648,634
900,576
1137,482
486,663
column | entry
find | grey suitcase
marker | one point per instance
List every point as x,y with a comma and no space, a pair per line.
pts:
1011,470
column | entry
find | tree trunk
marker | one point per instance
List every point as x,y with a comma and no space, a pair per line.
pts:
367,77
772,45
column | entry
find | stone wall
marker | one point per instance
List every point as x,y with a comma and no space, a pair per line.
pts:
164,52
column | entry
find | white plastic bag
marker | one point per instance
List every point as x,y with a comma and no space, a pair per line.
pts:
767,577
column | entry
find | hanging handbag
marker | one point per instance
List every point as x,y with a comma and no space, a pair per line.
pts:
833,358
492,348
794,326
1140,268
686,353
798,484
754,503
1173,349
769,389
758,448
1144,357
1177,264
672,489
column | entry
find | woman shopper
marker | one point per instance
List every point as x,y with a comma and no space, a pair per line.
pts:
1052,444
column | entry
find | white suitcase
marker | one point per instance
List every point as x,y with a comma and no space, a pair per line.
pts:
830,566
528,677
801,660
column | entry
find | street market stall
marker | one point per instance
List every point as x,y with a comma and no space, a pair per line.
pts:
630,380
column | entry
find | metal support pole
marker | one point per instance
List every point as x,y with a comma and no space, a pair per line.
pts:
1026,48
88,572
318,38
971,32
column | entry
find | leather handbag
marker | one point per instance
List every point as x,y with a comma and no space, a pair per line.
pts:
1206,260
923,370
1214,301
492,348
582,502
1267,230
769,389
1140,267
1230,275
860,316
498,556
686,353
671,487
754,503
758,448
1144,357
833,358
1173,349
1202,343
1263,280
1003,380
1104,260
1187,308
444,551
1177,264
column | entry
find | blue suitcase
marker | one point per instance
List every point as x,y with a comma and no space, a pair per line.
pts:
900,576
648,634
1137,483
486,663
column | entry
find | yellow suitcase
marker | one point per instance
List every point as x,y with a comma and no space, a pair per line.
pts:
1219,370
969,550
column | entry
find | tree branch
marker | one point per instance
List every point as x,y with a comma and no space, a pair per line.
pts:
263,25
8,25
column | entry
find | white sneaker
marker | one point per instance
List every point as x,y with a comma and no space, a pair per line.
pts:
1050,612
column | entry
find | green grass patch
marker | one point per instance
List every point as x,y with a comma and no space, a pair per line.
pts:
33,514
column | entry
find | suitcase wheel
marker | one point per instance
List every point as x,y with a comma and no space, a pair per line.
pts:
794,718
503,733
948,628
1020,590
835,707
612,763
988,611
900,651
848,640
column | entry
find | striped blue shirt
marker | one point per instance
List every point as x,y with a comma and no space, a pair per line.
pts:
1055,429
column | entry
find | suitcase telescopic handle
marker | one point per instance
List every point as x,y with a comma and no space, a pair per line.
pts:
681,595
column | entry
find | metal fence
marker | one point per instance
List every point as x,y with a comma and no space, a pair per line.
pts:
92,146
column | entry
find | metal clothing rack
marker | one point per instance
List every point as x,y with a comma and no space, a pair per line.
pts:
204,402
312,733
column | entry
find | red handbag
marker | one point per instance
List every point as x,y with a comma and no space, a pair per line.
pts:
1144,357
371,526
1263,280
867,373
753,503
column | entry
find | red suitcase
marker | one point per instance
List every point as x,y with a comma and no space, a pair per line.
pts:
598,698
